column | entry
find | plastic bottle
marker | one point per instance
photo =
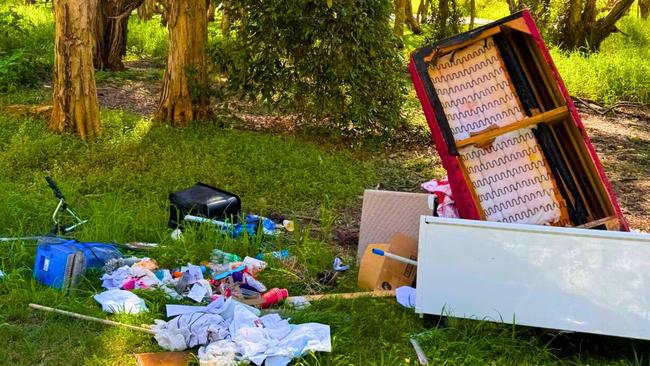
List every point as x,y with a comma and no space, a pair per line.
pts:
221,257
274,296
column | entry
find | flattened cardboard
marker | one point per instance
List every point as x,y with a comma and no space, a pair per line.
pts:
163,359
386,213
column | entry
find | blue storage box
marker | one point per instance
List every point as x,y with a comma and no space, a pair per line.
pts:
60,263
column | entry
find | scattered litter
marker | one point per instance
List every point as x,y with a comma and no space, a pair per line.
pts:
176,234
120,301
139,275
254,265
405,296
221,257
298,302
249,226
274,296
202,200
422,358
200,290
141,246
280,254
441,189
219,353
163,359
60,263
288,225
2,275
230,331
339,266
90,318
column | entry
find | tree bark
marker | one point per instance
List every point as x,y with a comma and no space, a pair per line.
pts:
580,29
442,18
423,10
644,8
212,10
147,9
111,31
400,16
472,13
184,96
75,106
411,21
513,6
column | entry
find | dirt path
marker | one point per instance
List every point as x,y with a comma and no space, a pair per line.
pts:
623,145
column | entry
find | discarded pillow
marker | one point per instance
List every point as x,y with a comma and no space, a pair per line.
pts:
120,301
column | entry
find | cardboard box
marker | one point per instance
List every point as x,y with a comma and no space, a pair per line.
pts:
380,273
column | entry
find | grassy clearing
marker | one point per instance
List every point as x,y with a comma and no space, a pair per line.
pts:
147,39
620,71
121,183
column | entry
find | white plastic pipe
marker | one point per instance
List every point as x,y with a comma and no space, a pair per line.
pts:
396,257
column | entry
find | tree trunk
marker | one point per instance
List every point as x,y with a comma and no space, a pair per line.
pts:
75,106
400,16
513,6
212,10
111,31
184,96
147,9
472,13
442,18
411,21
579,28
423,10
644,8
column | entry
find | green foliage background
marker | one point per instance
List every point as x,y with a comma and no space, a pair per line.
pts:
335,63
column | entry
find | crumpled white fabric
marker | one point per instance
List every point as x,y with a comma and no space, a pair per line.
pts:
442,190
119,301
221,353
190,330
269,339
193,328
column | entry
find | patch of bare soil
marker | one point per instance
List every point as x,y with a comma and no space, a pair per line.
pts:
134,96
622,141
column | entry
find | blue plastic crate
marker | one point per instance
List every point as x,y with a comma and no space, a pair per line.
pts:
60,263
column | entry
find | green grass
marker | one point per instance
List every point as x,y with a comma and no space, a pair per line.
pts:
146,39
620,71
121,183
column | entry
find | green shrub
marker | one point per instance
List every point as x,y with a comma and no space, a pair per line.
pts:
334,62
26,49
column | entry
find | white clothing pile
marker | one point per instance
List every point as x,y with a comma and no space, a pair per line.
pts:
233,332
